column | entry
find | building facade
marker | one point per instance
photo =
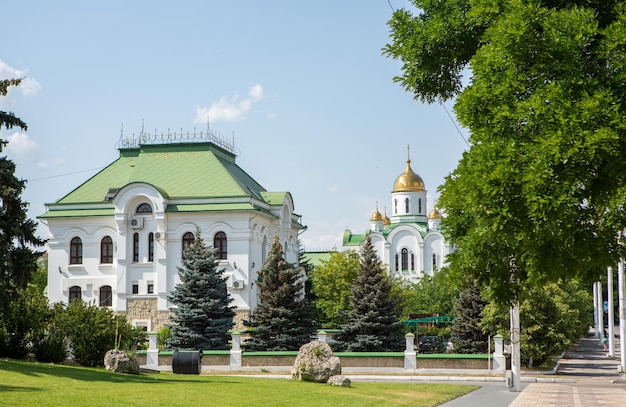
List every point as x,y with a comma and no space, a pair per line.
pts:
411,243
117,239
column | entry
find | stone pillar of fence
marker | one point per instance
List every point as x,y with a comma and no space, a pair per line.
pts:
410,360
235,350
152,354
499,360
322,336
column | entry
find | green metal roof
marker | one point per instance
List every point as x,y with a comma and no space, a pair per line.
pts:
73,213
316,258
178,171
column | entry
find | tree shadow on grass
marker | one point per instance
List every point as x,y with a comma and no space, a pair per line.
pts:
91,374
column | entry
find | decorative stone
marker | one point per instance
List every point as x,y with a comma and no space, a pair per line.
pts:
339,380
118,361
315,363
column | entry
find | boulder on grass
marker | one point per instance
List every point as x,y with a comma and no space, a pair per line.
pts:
339,380
118,361
315,363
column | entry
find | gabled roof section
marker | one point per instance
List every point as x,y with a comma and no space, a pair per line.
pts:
177,171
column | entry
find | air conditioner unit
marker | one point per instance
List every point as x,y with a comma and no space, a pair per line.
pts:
159,235
238,284
136,223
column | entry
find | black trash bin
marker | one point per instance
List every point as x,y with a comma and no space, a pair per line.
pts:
187,361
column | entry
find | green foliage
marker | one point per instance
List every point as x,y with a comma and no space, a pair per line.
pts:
282,321
373,319
203,315
51,346
331,285
552,318
92,331
466,329
24,322
430,295
165,333
40,276
544,178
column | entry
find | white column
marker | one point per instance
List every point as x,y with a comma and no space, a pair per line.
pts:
410,357
499,361
600,311
596,326
622,315
235,351
611,313
322,336
516,359
152,354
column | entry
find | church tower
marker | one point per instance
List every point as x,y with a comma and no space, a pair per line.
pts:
408,197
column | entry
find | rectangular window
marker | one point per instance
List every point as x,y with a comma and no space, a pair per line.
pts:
136,247
135,288
151,247
150,287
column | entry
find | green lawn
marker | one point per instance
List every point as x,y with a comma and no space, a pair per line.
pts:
38,384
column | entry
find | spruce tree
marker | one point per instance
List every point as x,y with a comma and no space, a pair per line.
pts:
17,232
282,321
466,327
374,316
203,315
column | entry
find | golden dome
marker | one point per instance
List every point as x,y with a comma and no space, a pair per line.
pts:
434,214
409,181
376,216
386,220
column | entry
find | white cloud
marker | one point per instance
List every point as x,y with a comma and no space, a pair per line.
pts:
21,146
229,109
29,85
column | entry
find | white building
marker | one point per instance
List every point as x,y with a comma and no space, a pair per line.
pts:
117,239
410,244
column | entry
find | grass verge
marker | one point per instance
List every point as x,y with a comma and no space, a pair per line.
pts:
37,384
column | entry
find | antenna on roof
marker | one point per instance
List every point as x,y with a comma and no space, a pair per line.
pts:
207,124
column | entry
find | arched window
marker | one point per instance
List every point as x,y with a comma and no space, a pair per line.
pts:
135,247
151,246
221,244
76,251
397,264
434,261
419,205
106,296
187,240
395,206
106,250
412,261
144,208
406,205
74,293
405,259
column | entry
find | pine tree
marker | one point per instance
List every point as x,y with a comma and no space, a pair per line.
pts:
282,321
203,315
17,232
466,327
373,320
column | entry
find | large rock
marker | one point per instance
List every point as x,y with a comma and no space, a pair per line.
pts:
118,361
342,381
315,363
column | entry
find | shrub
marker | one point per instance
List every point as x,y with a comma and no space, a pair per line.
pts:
52,348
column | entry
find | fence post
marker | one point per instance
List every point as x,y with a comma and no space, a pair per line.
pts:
152,354
499,360
410,359
235,351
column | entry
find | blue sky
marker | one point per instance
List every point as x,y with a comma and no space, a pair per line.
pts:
301,86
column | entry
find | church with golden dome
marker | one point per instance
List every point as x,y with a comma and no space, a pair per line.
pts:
410,243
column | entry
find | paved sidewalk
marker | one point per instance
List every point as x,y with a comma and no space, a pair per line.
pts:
594,381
